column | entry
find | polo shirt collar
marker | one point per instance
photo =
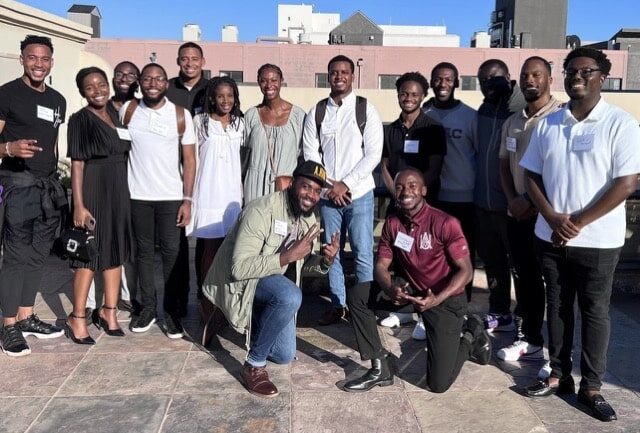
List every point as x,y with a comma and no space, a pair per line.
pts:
350,99
597,113
414,220
553,102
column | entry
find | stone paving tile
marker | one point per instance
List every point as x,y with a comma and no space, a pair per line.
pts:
228,413
474,411
37,374
339,412
153,340
565,414
220,371
17,413
317,370
61,344
107,414
125,373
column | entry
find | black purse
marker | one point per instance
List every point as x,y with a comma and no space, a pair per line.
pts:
78,244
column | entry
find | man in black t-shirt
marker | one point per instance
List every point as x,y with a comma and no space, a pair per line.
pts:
30,114
413,140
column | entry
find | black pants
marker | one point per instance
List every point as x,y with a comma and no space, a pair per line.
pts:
528,279
149,218
466,214
587,273
27,238
493,249
447,352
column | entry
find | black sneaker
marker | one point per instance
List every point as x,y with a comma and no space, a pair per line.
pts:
173,327
32,325
481,348
13,342
143,322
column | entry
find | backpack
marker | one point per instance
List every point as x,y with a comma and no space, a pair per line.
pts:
361,117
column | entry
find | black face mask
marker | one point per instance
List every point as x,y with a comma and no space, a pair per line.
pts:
294,204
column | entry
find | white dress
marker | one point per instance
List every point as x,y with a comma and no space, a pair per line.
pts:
217,195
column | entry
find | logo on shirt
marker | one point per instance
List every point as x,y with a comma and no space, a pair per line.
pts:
425,241
57,120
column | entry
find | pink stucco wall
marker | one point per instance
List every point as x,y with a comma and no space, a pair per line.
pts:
300,63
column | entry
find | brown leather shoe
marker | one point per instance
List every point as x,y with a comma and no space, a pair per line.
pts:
257,381
332,316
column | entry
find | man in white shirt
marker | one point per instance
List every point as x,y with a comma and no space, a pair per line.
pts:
350,154
160,186
582,163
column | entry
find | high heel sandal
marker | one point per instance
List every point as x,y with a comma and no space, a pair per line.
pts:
68,332
104,325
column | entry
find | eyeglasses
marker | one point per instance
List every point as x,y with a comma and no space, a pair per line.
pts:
583,72
147,79
126,75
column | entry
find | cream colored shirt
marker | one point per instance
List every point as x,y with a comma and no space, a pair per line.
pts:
516,133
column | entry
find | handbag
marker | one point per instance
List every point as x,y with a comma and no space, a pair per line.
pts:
79,244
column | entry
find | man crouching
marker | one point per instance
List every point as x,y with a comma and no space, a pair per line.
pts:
255,277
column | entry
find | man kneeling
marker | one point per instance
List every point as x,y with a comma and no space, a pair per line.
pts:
429,255
254,279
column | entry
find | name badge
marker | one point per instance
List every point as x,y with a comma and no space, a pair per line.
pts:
123,134
45,113
582,143
512,144
280,227
157,127
404,242
411,146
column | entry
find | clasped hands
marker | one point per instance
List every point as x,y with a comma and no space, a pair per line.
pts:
399,296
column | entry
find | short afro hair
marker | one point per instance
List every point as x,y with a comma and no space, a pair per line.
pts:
601,58
413,76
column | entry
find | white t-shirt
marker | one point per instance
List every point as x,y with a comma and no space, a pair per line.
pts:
154,160
578,162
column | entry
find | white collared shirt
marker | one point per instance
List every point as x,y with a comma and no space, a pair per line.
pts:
579,161
154,161
343,154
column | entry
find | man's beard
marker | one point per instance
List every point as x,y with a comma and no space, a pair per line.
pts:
294,202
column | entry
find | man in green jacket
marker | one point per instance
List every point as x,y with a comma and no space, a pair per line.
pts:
255,277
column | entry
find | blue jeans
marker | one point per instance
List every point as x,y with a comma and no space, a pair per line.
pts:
356,220
273,326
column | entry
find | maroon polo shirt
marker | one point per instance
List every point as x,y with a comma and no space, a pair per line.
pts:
437,241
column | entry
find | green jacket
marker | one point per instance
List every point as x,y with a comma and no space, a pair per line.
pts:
250,252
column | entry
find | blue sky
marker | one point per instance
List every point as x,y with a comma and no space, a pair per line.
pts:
163,19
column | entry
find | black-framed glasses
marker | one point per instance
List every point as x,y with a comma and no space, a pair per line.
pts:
126,75
147,79
583,72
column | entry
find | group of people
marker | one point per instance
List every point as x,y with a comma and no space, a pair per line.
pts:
535,186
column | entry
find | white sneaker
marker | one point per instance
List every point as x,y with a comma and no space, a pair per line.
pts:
419,333
545,371
396,319
520,349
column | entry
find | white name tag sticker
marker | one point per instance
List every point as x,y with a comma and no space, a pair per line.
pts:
582,143
512,144
123,134
411,146
45,113
404,242
157,127
280,227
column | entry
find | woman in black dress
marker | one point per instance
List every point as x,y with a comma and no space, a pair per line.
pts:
98,145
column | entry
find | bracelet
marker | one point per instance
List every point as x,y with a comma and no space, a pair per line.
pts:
6,148
187,198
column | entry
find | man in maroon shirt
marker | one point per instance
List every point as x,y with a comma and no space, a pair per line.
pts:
429,255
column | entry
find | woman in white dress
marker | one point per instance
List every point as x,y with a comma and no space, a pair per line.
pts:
217,196
274,135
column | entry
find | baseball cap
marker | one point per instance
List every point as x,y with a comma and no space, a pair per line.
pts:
314,171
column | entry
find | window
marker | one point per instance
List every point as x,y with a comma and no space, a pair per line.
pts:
322,80
387,81
236,75
468,82
612,84
206,74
